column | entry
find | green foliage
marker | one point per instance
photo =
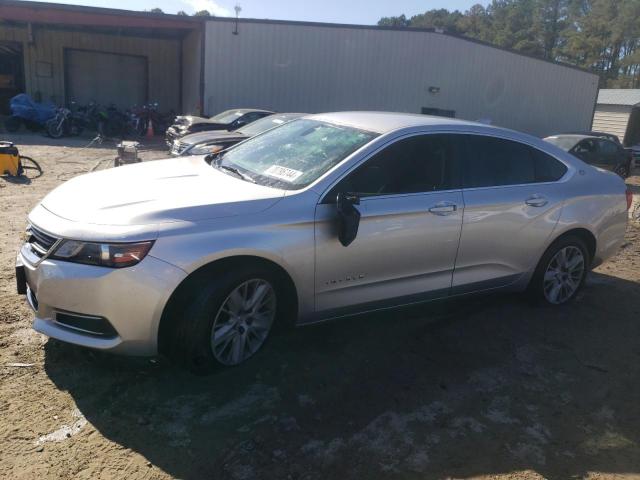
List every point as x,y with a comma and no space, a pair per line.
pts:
601,35
202,13
156,10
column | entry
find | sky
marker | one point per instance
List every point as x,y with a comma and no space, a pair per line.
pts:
337,11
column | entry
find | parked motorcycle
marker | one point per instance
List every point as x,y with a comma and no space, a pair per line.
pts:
140,118
67,122
25,111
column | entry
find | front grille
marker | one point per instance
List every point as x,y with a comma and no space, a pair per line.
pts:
86,324
39,241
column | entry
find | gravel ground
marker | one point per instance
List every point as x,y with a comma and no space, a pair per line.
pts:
484,388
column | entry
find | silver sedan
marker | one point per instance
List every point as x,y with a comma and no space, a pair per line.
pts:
323,217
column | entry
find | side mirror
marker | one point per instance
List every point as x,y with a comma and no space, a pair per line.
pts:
348,217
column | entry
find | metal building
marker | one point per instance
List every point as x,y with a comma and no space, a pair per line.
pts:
64,53
618,112
312,67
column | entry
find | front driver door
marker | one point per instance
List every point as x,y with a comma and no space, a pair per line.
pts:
411,214
587,151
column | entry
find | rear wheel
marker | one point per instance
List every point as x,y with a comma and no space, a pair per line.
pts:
561,271
227,321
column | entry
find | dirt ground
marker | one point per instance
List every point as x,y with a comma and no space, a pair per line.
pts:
489,388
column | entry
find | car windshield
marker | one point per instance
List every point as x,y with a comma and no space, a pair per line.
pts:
264,124
295,154
227,116
565,143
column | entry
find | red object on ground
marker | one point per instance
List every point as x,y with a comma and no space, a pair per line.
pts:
150,129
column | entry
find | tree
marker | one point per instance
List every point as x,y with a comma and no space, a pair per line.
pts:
182,13
202,13
441,19
400,21
156,10
601,35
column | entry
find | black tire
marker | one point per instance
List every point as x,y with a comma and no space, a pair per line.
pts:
622,170
55,129
12,124
536,288
190,343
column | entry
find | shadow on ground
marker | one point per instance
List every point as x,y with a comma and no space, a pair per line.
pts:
461,388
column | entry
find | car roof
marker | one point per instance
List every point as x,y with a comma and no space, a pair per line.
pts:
575,136
249,110
592,134
384,122
287,115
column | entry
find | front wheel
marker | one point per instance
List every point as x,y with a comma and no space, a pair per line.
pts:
561,271
622,170
55,128
229,320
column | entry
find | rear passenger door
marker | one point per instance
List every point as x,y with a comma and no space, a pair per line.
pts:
512,205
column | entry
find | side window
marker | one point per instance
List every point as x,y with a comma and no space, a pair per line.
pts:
416,164
585,147
249,117
548,169
493,162
608,148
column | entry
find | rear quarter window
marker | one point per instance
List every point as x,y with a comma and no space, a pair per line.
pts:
493,162
548,169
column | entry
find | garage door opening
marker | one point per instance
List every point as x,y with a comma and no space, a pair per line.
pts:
105,78
11,73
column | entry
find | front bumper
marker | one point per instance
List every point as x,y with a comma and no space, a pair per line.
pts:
130,299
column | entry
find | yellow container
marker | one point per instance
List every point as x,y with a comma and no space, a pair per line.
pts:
9,159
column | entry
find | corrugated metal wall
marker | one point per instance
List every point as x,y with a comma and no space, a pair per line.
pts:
612,119
192,68
311,68
48,46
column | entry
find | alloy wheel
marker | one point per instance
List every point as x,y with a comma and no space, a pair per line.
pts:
243,321
563,275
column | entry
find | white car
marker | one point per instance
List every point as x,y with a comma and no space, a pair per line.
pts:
322,217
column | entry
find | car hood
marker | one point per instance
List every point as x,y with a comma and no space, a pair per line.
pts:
158,192
214,136
189,119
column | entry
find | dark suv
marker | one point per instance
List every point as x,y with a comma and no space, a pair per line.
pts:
597,151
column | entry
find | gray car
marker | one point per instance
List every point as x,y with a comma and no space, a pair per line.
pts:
204,143
328,215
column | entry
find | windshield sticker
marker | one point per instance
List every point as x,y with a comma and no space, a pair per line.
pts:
282,173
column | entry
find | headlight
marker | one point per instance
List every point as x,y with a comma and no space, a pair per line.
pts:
204,149
113,255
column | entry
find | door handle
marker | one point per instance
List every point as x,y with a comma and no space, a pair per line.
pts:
443,208
536,201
